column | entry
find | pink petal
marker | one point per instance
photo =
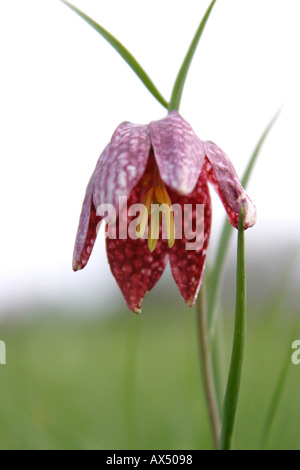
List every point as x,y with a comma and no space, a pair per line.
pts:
86,233
123,164
221,173
179,153
134,267
89,220
188,265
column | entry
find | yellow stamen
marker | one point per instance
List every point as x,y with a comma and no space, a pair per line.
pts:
143,217
162,205
153,235
159,195
168,218
166,196
164,199
172,234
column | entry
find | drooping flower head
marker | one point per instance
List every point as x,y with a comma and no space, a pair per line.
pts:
163,163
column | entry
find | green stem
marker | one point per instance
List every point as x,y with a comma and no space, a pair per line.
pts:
182,74
127,56
206,368
237,357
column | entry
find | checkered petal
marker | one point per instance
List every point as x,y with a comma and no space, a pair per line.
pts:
178,152
222,175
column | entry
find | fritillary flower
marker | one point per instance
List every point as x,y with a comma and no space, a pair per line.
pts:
163,163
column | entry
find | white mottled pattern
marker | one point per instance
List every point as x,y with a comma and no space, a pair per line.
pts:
123,163
84,221
179,153
250,214
186,164
222,175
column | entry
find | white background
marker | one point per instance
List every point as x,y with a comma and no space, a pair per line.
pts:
63,91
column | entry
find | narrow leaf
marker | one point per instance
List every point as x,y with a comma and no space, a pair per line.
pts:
215,278
279,387
217,271
275,399
127,56
238,348
257,149
182,74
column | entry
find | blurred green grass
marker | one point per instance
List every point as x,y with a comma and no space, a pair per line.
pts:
133,382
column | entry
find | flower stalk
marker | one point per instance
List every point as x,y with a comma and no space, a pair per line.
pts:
163,163
238,349
206,367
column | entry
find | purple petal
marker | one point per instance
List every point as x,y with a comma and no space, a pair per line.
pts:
86,233
188,265
221,173
179,153
123,164
134,267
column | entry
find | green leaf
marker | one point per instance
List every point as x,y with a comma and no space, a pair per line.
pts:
257,150
238,348
279,387
127,56
216,274
215,278
182,74
275,399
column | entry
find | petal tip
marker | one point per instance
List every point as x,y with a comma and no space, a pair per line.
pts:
250,213
183,190
77,266
138,309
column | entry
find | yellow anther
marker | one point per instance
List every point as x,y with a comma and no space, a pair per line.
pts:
168,218
159,195
166,196
162,205
171,237
148,199
154,225
143,217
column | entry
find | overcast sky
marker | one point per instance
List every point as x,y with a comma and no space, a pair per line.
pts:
63,91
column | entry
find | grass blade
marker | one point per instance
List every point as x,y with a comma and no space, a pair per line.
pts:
127,56
206,368
278,390
257,150
182,74
275,401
